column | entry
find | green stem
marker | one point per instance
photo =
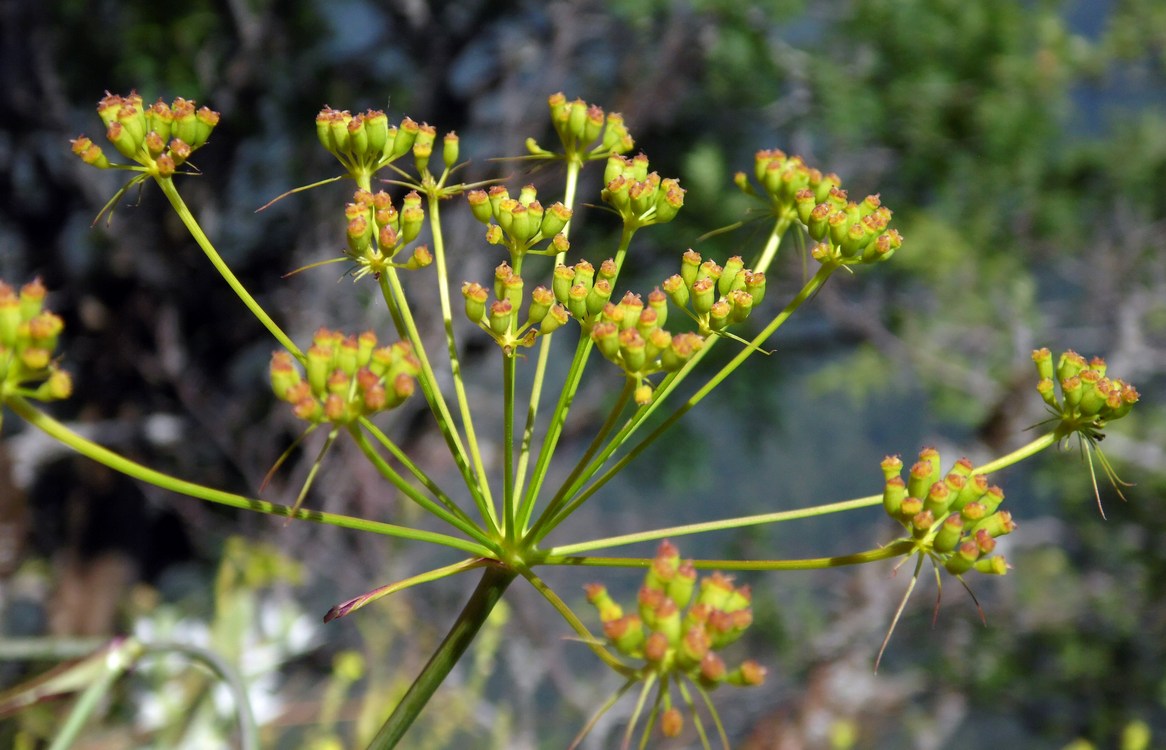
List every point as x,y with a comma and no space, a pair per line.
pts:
457,521
807,291
573,167
455,367
509,501
180,207
1026,451
490,588
595,644
418,473
103,455
665,388
563,407
392,291
1018,455
894,549
718,525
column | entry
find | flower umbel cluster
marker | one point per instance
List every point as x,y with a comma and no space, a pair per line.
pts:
578,125
520,223
1089,399
377,232
160,137
954,518
678,629
28,338
347,377
718,295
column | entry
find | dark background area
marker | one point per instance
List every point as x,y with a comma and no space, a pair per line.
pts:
1021,145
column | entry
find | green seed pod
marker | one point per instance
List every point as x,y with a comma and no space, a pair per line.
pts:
669,200
412,218
741,303
682,585
541,300
729,274
562,281
892,466
1048,393
972,491
480,205
512,290
819,220
949,534
626,634
712,670
405,137
577,301
476,296
938,499
919,480
749,674
995,565
719,314
449,150
605,334
703,295
554,220
962,560
556,318
500,317
598,297
894,492
1071,364
692,648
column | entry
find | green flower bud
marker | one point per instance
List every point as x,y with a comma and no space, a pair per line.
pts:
718,313
606,337
1071,364
319,366
405,137
949,534
894,492
648,601
412,218
476,296
994,565
712,670
626,634
729,274
556,318
892,466
554,219
449,150
423,146
512,290
500,317
615,135
607,607
598,296
577,301
938,499
676,290
819,221
703,295
921,523
614,167
89,152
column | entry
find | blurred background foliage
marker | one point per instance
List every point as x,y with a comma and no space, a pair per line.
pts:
1021,145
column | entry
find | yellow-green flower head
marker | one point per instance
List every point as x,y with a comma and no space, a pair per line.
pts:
345,377
28,341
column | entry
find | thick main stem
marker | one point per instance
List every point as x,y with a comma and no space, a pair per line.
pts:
489,592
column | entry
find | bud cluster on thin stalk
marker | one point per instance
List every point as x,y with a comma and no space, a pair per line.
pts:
641,198
520,224
499,318
715,296
160,137
377,232
28,342
955,518
1089,398
585,130
345,378
677,629
366,142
